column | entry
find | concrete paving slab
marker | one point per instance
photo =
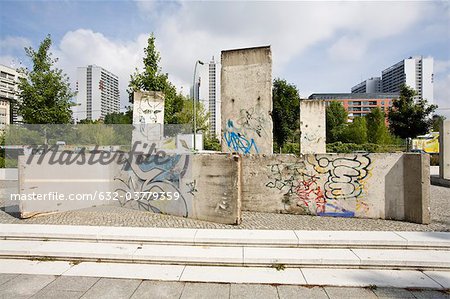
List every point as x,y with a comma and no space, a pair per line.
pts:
250,237
416,258
74,250
15,247
189,254
426,238
426,294
112,288
72,283
393,293
300,256
441,277
25,286
50,231
205,291
289,292
251,291
242,275
57,294
349,238
6,277
33,267
159,289
131,271
339,293
365,278
148,234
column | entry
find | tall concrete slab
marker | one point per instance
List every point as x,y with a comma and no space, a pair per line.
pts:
312,127
148,116
246,94
444,150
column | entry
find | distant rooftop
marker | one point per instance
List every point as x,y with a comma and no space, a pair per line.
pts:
339,96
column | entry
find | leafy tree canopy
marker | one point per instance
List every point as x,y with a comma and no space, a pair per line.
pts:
121,118
409,117
286,112
152,79
44,92
336,119
377,132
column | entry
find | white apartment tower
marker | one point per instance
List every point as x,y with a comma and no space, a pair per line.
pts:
416,72
212,97
209,95
9,79
97,93
371,85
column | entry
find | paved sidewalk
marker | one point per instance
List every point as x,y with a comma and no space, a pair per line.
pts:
50,286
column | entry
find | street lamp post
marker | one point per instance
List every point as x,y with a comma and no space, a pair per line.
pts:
194,112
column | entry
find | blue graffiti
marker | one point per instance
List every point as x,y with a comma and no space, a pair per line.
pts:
237,141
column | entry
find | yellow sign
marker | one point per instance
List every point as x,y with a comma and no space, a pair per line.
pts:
428,143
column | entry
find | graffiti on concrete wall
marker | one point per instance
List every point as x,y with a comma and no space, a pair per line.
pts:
241,133
155,186
237,141
324,185
252,120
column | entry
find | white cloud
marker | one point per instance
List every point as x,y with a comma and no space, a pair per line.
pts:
83,47
442,94
11,43
198,30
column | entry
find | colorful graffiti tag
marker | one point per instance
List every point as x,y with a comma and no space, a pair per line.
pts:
324,185
157,187
237,141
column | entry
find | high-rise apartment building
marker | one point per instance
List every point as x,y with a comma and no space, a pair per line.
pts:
212,96
9,79
209,95
97,93
371,85
416,72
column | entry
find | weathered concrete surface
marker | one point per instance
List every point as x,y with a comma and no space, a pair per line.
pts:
343,185
416,178
204,186
444,150
246,93
217,194
312,127
148,116
54,181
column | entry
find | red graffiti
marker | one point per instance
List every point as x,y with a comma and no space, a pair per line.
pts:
309,192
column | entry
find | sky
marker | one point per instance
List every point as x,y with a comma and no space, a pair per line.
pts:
321,47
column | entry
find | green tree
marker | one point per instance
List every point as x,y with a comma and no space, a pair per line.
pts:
185,116
355,132
152,79
377,131
44,93
286,112
121,118
437,121
408,117
211,143
336,120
